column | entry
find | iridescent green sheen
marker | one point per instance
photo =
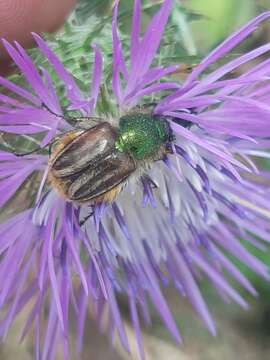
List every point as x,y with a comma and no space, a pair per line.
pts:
142,135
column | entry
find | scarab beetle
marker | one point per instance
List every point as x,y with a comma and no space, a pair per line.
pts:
93,165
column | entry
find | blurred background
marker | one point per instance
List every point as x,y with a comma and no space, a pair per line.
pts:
198,26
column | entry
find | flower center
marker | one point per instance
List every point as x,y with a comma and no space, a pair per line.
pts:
142,135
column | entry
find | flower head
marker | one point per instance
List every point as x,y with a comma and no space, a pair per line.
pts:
192,187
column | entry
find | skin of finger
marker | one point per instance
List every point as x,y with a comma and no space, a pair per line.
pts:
18,18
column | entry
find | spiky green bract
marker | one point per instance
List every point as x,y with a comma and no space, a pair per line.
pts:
91,23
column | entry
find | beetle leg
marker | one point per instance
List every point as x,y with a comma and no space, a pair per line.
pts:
49,146
32,151
149,180
83,221
82,122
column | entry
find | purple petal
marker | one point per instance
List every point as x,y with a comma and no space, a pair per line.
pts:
148,46
97,74
72,89
135,31
226,46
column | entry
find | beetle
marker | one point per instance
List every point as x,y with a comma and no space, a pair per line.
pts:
91,164
85,166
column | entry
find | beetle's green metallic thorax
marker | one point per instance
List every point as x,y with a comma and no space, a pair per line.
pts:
143,135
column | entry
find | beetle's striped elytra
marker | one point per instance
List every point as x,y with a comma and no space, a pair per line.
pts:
93,165
86,167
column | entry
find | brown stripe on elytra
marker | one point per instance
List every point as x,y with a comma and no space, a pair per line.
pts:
85,150
111,172
61,142
86,167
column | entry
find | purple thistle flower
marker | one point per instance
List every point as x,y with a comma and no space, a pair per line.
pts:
170,224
